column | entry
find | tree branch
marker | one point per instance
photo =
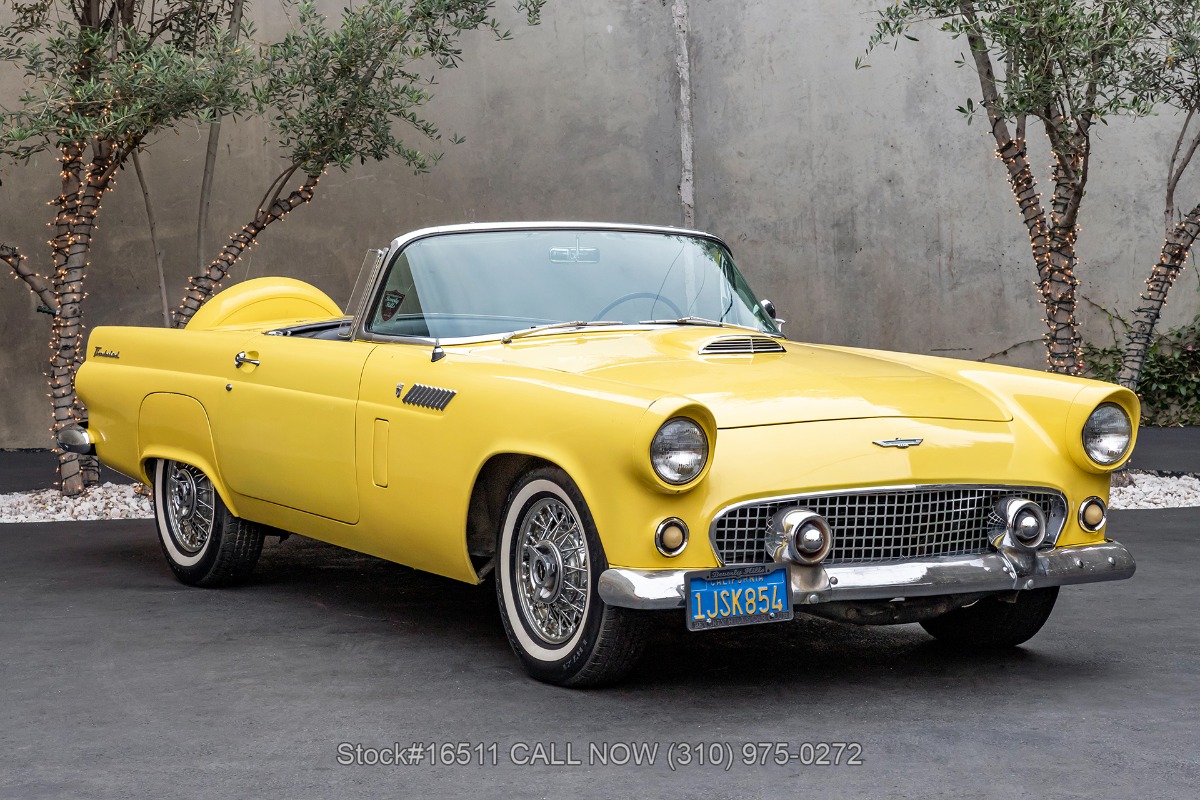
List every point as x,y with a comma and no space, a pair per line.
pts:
40,286
1175,174
210,158
158,259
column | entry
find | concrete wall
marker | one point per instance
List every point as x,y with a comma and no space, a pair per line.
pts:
859,201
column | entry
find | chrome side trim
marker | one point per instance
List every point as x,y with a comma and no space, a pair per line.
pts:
989,572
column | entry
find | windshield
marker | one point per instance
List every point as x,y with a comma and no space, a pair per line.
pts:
492,282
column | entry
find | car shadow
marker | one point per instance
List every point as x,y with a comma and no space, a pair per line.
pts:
808,655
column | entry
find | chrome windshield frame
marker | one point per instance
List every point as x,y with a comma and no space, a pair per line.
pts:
401,242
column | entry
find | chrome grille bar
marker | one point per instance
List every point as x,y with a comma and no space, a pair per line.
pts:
885,523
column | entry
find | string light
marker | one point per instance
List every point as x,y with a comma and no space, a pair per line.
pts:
201,287
1053,248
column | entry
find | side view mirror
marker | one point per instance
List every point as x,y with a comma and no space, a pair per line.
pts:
769,307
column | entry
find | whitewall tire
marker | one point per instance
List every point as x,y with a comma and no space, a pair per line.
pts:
548,562
204,544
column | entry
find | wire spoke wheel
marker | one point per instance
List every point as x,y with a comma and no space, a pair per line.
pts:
190,507
553,570
205,544
549,559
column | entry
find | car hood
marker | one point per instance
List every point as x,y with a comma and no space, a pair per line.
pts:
806,383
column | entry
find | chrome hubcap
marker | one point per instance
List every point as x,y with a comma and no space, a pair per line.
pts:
189,507
552,570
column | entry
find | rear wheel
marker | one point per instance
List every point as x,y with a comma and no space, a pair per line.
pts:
549,561
993,622
205,544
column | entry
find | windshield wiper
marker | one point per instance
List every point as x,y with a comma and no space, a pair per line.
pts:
556,325
703,322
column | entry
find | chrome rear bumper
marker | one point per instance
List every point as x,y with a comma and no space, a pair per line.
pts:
987,572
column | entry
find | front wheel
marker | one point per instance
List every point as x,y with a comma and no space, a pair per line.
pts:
205,544
995,622
549,561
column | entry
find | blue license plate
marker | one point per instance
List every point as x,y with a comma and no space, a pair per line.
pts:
722,598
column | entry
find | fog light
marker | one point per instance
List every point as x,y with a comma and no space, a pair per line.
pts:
671,537
1092,514
799,535
1022,524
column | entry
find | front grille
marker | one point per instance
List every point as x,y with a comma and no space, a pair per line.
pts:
886,524
741,345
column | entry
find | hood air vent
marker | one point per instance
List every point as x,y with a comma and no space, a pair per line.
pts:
741,345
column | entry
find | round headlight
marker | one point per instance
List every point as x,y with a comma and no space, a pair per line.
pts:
679,451
1106,434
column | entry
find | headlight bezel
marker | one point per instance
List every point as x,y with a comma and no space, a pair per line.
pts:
1087,400
679,479
1089,448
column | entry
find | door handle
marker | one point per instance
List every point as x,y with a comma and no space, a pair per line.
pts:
241,358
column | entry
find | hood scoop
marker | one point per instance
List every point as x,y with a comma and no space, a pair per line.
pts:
741,345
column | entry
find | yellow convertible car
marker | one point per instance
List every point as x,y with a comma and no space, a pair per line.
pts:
606,420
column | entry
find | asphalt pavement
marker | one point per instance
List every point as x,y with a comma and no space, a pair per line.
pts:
119,682
1167,449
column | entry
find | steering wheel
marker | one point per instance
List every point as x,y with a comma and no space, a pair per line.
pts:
625,298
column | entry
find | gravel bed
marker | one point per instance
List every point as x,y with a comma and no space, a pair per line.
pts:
107,501
113,501
1155,490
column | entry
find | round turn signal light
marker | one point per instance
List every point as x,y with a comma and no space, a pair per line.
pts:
1092,514
671,537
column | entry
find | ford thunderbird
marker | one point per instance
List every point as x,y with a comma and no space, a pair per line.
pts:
603,420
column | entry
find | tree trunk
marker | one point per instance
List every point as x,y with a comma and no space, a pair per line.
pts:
67,339
1170,263
1057,283
201,287
1064,346
1053,254
1053,247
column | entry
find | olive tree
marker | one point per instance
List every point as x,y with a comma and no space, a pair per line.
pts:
1064,66
102,77
1172,67
335,96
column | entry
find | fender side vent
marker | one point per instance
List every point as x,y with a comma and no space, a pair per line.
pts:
741,345
429,397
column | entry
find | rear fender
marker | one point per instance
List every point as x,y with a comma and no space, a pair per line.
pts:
176,427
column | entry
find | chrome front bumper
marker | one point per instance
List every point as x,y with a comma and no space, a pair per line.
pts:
947,575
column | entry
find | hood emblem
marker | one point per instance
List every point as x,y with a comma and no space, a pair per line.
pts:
903,444
100,352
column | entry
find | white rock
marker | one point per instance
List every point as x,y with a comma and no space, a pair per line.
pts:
1156,491
108,501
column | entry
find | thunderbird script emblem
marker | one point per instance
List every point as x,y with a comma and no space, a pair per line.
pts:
903,444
